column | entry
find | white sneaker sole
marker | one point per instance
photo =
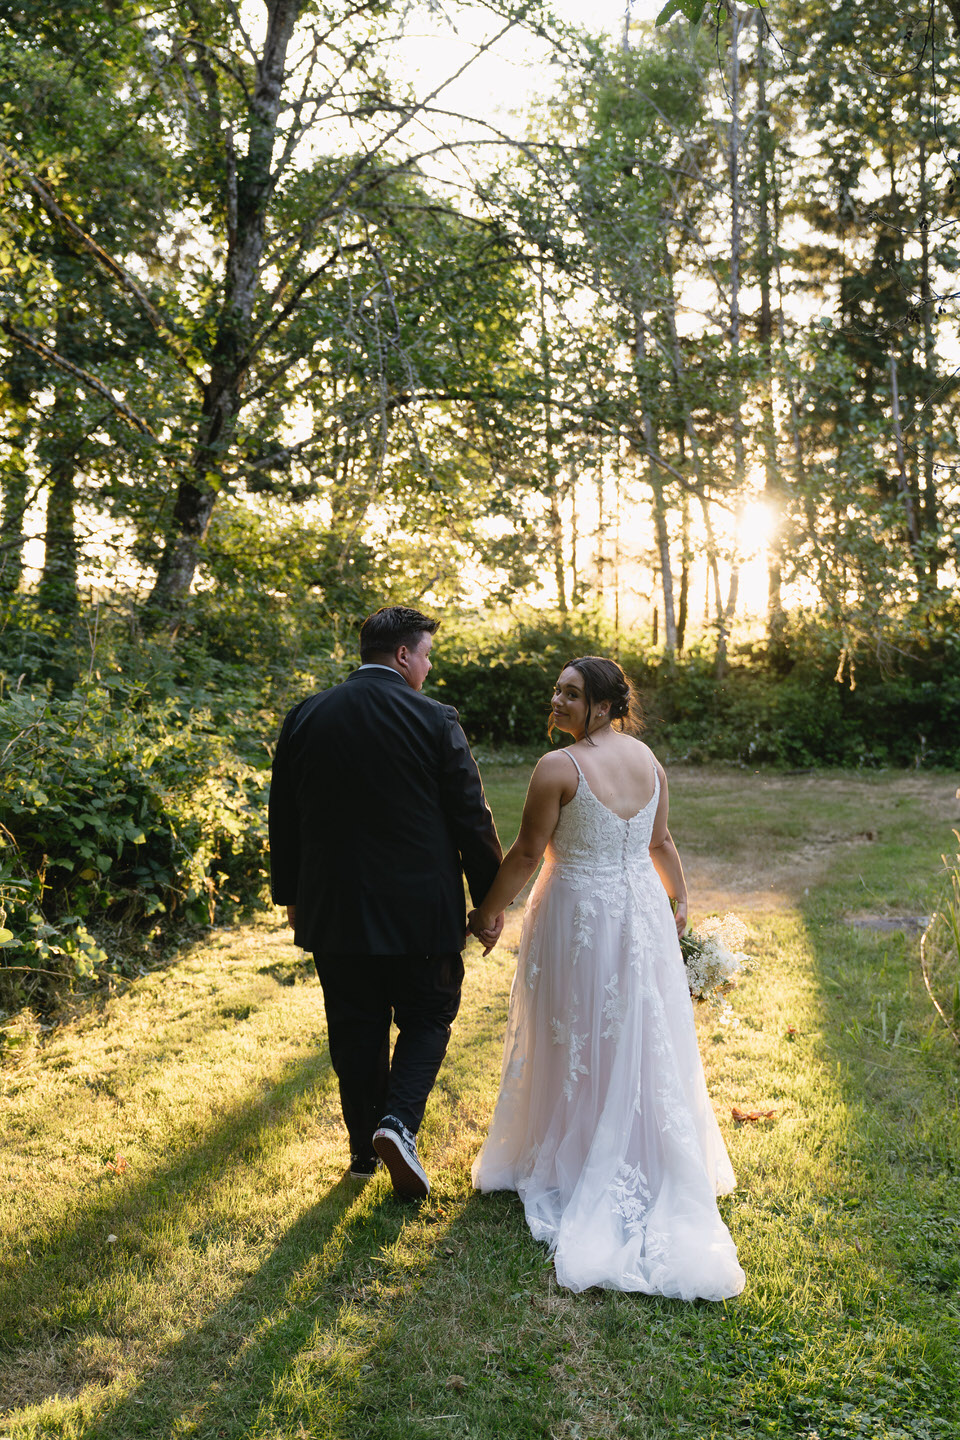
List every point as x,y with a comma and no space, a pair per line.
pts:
408,1175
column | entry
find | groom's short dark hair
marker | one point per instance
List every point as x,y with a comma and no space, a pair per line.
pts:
383,632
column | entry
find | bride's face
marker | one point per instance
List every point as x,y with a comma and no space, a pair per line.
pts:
569,703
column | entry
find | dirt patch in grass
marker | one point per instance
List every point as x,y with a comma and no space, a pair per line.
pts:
793,846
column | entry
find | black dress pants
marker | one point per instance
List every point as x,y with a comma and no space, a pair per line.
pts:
361,995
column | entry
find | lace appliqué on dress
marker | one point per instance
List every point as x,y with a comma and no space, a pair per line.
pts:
574,1043
631,1197
614,1009
584,912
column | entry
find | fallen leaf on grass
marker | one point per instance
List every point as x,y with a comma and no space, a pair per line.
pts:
743,1115
456,1382
792,1032
118,1165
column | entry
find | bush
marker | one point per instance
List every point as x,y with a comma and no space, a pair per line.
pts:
117,809
500,676
803,719
797,715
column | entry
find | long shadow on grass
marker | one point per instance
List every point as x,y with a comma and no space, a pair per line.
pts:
74,1253
222,1375
375,1321
348,1339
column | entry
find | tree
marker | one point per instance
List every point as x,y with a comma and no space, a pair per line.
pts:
270,283
61,317
879,203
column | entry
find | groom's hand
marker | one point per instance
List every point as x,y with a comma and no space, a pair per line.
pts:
292,916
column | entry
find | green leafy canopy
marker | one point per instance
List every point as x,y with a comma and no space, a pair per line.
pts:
693,9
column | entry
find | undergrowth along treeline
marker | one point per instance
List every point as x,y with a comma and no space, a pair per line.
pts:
118,811
134,771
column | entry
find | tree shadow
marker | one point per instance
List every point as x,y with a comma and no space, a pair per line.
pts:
218,1377
196,1168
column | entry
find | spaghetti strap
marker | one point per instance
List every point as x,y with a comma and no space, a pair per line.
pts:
575,761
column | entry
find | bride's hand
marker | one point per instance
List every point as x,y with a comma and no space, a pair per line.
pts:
680,915
487,931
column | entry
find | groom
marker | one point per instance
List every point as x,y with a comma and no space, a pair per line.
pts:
376,812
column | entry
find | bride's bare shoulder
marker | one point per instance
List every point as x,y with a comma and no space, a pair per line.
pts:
556,774
554,765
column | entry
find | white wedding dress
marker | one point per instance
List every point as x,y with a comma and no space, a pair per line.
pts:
603,1125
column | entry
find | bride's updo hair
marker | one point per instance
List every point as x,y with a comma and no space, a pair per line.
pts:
605,680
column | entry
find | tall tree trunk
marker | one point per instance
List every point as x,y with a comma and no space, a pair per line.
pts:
655,482
249,188
797,463
684,572
551,463
713,564
57,590
559,568
617,556
601,527
688,438
574,535
666,571
928,505
736,248
734,140
766,242
903,480
15,481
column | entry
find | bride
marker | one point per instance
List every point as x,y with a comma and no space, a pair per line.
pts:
603,1125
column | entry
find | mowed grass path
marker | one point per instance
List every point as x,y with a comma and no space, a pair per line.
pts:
183,1257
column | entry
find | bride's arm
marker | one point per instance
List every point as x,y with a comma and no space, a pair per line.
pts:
541,811
666,857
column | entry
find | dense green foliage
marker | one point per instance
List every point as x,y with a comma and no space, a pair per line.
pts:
134,805
808,709
369,368
124,817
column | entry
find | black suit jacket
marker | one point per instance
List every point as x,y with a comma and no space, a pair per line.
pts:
376,812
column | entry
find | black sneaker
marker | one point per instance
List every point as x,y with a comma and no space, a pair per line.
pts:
363,1167
397,1148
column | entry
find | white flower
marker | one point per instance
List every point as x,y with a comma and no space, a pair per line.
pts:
712,955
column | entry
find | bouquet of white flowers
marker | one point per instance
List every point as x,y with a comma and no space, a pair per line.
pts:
712,956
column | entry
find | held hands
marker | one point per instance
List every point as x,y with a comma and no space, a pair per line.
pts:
486,928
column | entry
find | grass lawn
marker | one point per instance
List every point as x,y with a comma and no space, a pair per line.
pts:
181,1255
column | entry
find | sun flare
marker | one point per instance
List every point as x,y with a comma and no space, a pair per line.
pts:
756,525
